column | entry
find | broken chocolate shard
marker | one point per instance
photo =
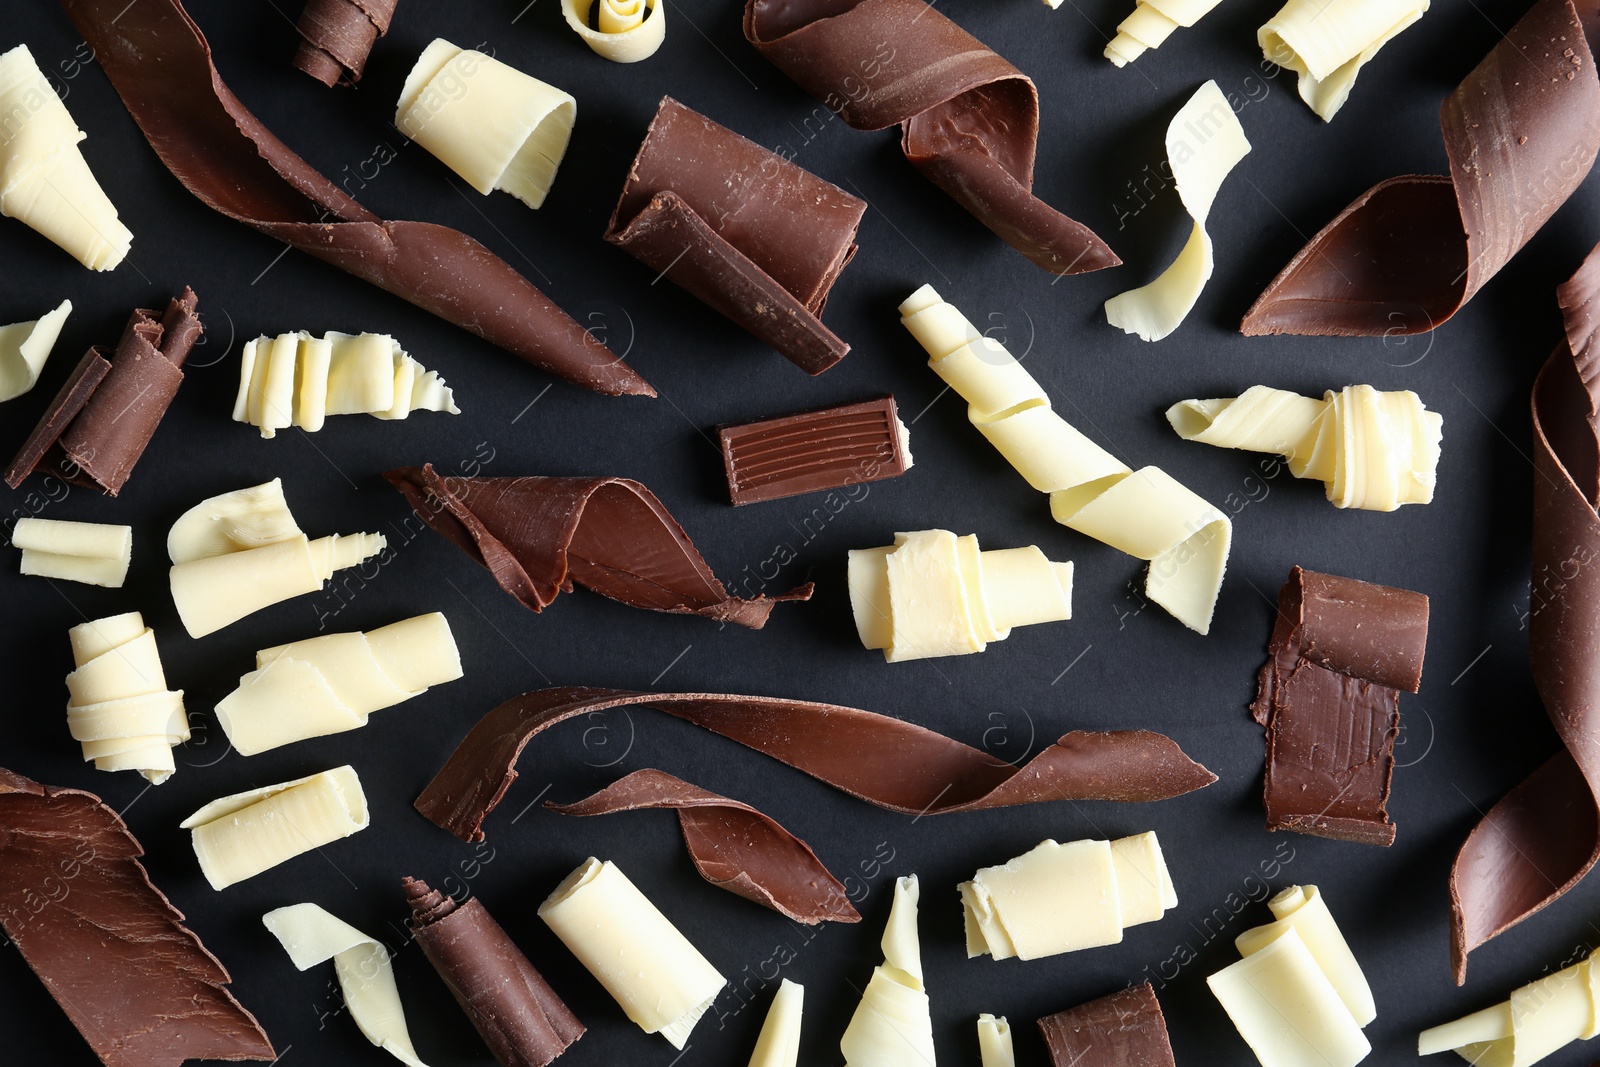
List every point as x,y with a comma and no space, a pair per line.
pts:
540,536
113,951
809,451
733,846
1521,132
161,66
522,1020
1125,1029
1329,696
884,761
336,36
969,120
745,230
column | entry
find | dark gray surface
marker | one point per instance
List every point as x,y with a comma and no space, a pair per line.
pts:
1476,728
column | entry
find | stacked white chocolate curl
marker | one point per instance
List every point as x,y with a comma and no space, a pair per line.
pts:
89,552
1327,42
624,31
119,706
1538,1020
893,1024
1151,23
239,836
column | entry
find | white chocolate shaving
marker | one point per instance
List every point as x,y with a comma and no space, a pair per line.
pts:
90,552
119,707
661,981
779,1042
1537,1020
893,1024
239,836
935,594
1326,42
1305,909
994,1042
311,936
492,124
44,180
1151,23
1144,513
24,346
1375,450
1204,143
626,31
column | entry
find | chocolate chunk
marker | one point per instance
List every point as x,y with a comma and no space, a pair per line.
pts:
734,846
337,36
110,947
753,235
824,448
884,761
539,536
968,119
160,64
1542,838
518,1015
1340,652
1125,1029
1521,132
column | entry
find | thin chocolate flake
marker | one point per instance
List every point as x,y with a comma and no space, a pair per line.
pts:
338,35
809,451
1125,1029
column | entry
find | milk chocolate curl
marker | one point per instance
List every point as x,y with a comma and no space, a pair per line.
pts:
809,451
105,415
884,761
518,1015
753,235
539,536
1521,132
733,846
338,35
1544,836
110,947
160,64
1329,695
968,119
1125,1029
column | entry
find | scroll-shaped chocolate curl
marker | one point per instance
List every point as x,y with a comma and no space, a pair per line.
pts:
338,35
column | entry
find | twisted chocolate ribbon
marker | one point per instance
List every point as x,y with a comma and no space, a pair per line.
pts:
337,37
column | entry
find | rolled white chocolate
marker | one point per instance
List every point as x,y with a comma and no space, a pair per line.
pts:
994,1042
1537,1020
1204,143
232,522
311,936
492,124
239,836
1144,513
24,346
893,1024
90,552
661,981
119,707
1151,23
1304,908
626,31
44,180
1327,42
779,1042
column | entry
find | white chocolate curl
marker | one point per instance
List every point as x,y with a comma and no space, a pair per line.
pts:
1144,512
299,380
1151,23
89,552
239,552
119,707
1327,42
311,936
625,31
44,180
994,1042
492,124
1204,143
935,594
1538,1020
893,1024
24,346
779,1043
1375,451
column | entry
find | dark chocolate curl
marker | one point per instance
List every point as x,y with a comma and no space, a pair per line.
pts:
1544,836
110,947
884,761
518,1015
160,64
969,120
1521,132
338,35
733,846
1125,1029
538,536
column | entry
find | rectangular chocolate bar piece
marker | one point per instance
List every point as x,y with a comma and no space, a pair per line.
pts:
1125,1029
809,451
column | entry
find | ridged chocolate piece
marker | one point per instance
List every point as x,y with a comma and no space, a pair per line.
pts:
518,1015
809,451
1125,1029
338,35
110,947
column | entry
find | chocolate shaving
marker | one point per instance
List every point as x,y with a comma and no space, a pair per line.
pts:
969,120
1125,1029
748,232
105,415
733,846
539,536
160,64
884,761
1542,837
1521,132
522,1020
1328,695
338,35
809,451
110,947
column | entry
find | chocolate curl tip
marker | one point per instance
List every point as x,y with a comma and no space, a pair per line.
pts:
337,36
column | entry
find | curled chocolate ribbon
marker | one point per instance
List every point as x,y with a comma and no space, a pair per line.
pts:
969,120
1521,132
338,35
1541,838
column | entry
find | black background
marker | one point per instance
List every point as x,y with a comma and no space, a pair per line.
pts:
1475,729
